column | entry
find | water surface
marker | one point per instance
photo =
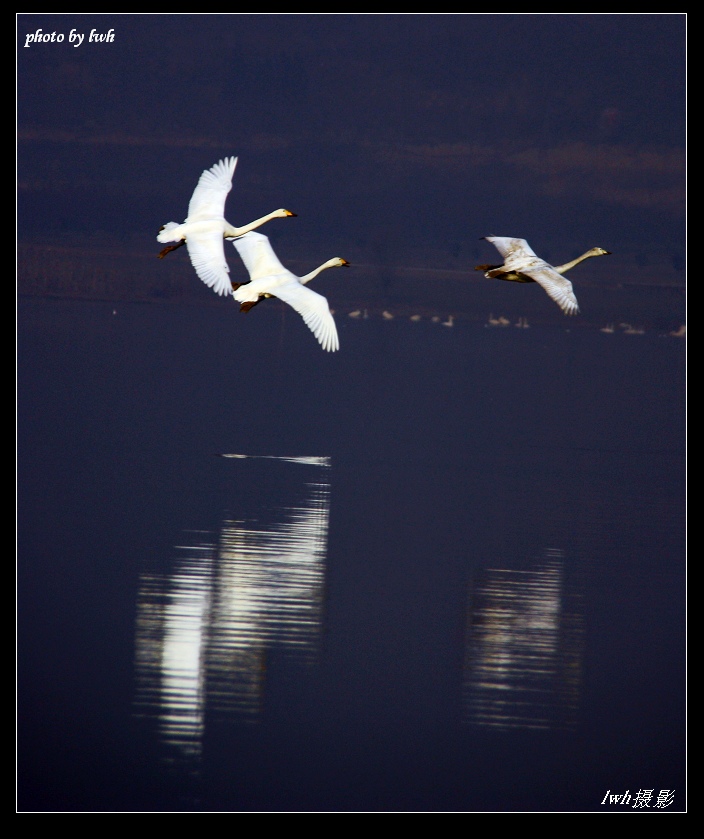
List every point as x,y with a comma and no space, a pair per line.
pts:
446,572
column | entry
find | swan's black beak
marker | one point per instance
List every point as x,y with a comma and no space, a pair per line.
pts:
345,264
289,213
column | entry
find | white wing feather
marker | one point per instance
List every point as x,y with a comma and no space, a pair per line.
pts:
509,247
557,286
207,255
208,199
258,256
314,310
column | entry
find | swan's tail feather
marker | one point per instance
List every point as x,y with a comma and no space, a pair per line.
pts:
165,233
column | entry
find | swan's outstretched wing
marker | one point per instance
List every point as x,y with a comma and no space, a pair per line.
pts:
258,255
556,285
314,310
511,248
207,253
208,199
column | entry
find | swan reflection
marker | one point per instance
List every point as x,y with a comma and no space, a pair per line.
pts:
523,652
205,629
172,615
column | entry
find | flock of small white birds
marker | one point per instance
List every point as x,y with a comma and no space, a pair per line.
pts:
501,321
206,229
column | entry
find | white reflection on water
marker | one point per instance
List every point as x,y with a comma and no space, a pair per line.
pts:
523,651
172,617
309,461
204,629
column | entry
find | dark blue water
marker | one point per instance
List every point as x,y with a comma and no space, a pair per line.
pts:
474,600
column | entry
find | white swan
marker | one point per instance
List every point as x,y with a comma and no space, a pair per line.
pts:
523,265
205,228
269,278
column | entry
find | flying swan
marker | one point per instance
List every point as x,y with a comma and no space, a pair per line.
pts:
269,278
522,265
206,227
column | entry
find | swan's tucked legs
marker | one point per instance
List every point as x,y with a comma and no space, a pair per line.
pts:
245,307
170,248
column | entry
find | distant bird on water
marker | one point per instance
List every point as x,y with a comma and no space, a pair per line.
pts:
523,265
206,227
269,278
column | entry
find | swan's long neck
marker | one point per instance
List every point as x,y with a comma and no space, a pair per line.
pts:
566,267
240,231
306,278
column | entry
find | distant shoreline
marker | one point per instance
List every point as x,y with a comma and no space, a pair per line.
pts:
655,299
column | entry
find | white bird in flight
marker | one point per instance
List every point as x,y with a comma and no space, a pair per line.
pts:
523,265
206,227
269,278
